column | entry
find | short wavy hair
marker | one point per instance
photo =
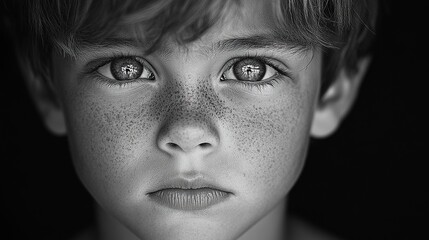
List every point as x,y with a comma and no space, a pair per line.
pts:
344,29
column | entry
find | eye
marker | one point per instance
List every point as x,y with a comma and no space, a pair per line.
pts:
126,68
250,70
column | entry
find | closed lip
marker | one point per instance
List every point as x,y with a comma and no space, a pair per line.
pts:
181,183
182,194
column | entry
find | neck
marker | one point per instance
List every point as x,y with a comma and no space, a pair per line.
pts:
270,227
108,228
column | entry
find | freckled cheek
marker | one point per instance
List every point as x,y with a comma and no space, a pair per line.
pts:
271,141
108,139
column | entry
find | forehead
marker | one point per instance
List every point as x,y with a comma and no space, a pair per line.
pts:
247,24
249,18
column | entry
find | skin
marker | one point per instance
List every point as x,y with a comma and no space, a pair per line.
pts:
255,140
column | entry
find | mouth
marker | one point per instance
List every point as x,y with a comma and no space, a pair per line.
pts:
182,194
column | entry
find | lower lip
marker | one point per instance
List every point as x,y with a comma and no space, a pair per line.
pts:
189,199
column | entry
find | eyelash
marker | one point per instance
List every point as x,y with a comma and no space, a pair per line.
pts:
110,83
246,84
261,85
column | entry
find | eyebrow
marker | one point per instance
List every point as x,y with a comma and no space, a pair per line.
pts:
116,43
111,42
269,41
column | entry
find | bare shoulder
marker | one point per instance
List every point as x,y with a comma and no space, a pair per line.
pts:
302,230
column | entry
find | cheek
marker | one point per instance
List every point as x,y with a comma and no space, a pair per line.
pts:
269,138
105,135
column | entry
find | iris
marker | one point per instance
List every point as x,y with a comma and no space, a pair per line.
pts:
126,68
249,70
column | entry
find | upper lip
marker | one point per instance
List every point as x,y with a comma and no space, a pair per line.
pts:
186,184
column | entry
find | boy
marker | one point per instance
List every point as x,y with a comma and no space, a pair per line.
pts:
191,119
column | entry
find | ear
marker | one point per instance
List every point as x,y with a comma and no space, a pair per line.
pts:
43,94
338,100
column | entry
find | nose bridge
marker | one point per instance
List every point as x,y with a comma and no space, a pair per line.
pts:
188,124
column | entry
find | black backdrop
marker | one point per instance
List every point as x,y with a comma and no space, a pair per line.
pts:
368,181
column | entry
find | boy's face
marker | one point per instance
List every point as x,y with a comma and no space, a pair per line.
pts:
190,117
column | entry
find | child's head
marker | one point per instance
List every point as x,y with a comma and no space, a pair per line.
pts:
157,96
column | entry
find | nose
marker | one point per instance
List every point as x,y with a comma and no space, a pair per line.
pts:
187,137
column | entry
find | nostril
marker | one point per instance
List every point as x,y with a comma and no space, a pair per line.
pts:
205,145
176,146
173,145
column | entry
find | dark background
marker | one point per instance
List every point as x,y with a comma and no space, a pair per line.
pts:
368,181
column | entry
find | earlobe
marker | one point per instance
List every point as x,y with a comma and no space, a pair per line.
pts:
43,95
338,101
52,116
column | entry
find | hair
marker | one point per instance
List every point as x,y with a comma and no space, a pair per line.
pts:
344,29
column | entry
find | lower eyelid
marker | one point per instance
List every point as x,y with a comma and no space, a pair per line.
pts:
110,83
275,78
261,86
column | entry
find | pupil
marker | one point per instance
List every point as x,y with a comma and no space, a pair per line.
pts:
249,70
129,70
126,69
